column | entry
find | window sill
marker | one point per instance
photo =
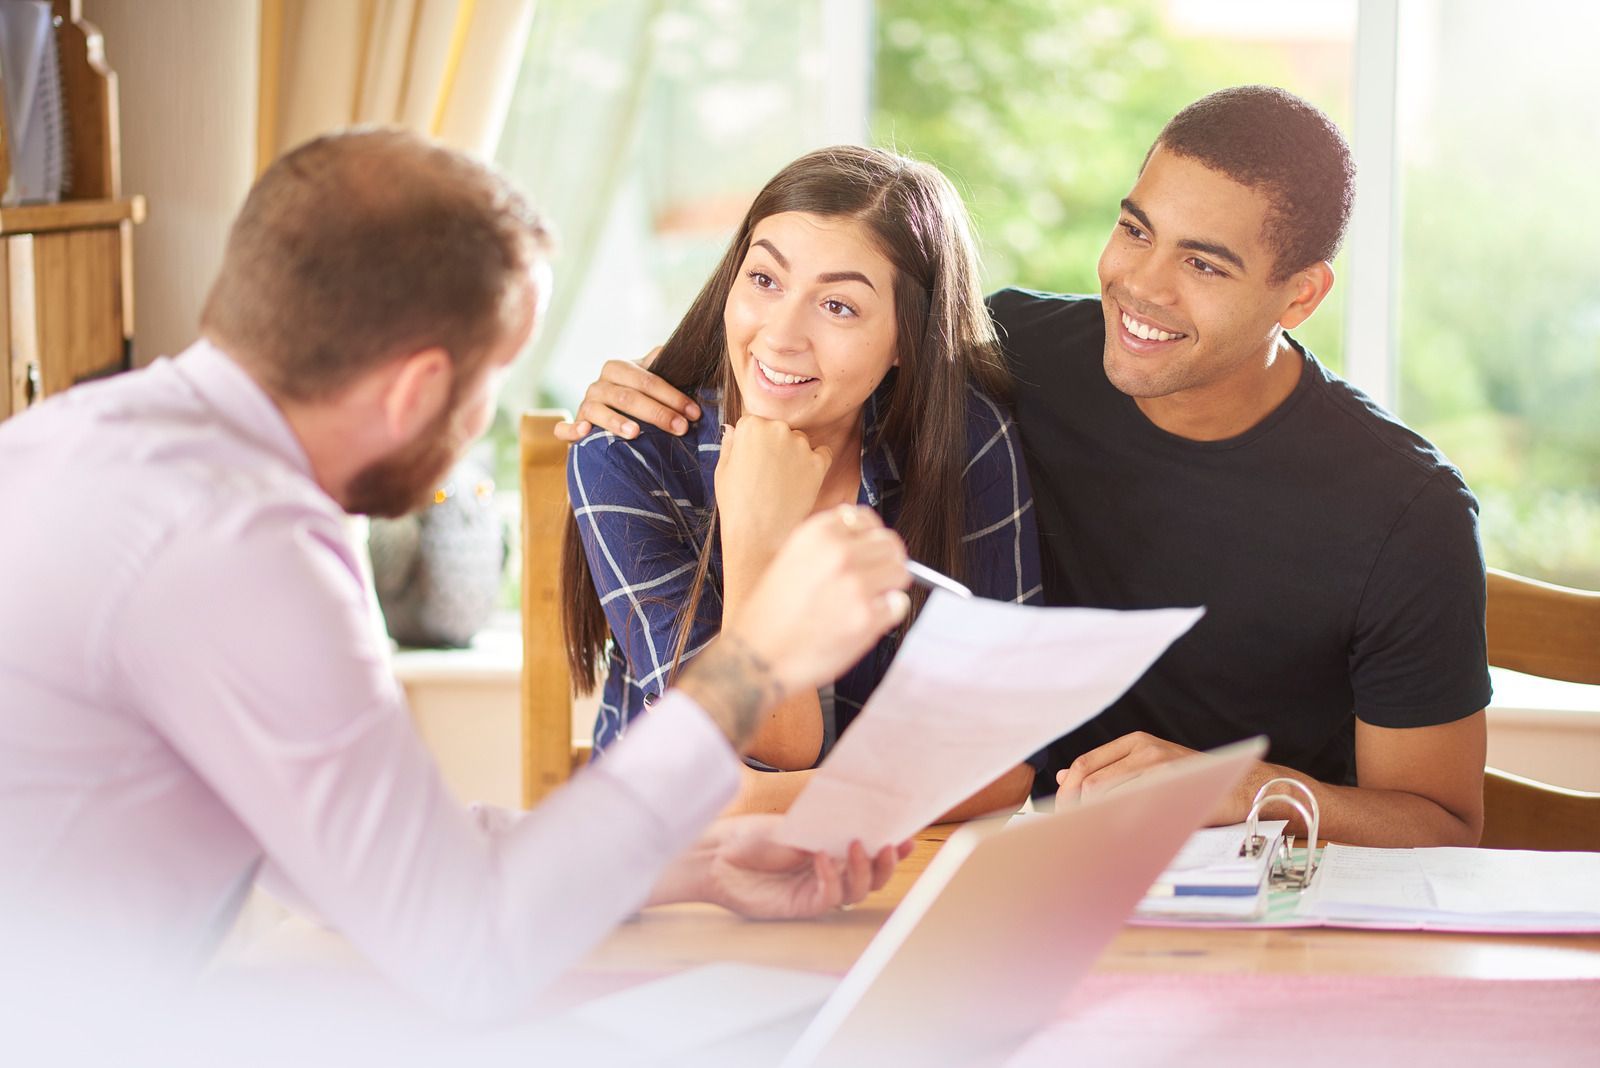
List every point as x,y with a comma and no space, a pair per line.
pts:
1537,727
1530,699
495,656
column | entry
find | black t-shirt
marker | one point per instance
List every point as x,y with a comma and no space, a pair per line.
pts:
1335,551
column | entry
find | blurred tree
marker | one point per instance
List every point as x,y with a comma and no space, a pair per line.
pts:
1042,111
1500,288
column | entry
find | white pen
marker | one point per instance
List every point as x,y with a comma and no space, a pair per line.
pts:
923,575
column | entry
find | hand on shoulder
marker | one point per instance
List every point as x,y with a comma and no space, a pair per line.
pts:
625,395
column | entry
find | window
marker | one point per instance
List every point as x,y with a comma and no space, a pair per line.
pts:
644,129
1042,110
1498,298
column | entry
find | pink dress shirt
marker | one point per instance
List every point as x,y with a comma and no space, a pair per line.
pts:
191,686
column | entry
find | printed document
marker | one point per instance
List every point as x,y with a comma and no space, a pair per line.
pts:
977,688
1501,889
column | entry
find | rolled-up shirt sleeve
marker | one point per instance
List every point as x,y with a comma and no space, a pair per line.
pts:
247,645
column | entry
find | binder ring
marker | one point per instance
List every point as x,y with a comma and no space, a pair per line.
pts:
1254,842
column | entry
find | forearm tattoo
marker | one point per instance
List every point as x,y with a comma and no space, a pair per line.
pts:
734,685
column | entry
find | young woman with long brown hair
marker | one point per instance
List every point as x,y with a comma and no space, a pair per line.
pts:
840,354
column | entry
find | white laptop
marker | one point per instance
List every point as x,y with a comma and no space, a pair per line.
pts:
978,956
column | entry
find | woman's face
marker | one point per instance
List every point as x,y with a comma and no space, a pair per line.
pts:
810,322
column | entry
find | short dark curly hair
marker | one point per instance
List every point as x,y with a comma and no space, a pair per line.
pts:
1271,140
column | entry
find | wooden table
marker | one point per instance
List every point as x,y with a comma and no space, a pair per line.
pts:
1381,997
682,936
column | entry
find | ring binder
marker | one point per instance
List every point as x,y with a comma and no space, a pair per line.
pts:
1285,872
1434,888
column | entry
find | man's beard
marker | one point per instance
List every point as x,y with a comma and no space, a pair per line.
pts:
407,478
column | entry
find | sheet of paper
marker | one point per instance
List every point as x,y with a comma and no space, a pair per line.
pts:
1487,882
1472,883
1207,876
1457,889
1190,907
977,688
1367,881
1211,855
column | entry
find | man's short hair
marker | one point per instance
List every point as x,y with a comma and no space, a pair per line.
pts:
1271,140
363,246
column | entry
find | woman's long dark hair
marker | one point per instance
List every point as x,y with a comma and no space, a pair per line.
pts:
943,338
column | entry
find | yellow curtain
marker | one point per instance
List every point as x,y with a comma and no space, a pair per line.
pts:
444,67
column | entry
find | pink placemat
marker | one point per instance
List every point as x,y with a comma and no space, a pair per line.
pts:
1195,1020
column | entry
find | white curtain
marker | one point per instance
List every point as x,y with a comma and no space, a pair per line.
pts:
443,67
569,139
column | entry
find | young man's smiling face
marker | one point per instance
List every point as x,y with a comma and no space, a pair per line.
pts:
1193,318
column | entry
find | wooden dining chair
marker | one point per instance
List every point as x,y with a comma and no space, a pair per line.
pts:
1553,632
549,755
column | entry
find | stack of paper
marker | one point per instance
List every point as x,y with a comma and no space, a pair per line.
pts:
1212,876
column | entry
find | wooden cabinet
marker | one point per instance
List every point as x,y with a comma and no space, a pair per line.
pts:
65,305
66,278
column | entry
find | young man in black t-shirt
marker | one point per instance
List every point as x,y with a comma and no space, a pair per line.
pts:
1185,451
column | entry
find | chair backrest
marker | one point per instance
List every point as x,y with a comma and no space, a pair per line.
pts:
1553,632
1545,630
548,753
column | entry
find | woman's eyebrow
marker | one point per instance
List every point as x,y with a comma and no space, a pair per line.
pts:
846,276
826,279
770,247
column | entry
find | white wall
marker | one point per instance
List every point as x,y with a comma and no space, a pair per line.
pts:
187,77
467,707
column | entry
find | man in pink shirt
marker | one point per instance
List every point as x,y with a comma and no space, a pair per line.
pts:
191,691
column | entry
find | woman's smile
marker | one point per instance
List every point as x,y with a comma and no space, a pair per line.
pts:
782,381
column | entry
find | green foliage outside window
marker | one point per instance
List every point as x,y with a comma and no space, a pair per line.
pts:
1500,285
1042,111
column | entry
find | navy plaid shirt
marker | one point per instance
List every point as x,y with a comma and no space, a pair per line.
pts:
642,509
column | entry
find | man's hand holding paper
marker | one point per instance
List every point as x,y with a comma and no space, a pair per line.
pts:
977,687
